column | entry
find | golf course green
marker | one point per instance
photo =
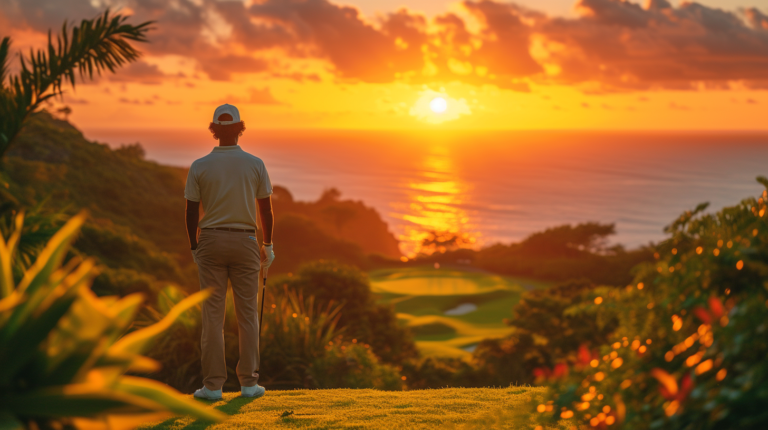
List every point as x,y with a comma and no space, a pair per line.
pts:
450,309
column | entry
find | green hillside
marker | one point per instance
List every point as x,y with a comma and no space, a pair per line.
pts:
479,408
136,227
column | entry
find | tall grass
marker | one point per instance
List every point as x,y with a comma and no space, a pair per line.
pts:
301,346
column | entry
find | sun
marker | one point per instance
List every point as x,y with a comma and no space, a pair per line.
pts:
438,105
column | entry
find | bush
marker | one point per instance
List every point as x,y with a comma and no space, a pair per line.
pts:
441,372
301,347
546,336
352,365
361,317
691,344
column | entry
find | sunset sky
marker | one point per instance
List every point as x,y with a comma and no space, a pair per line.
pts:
373,64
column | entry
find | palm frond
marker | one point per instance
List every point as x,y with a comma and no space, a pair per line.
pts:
95,46
5,46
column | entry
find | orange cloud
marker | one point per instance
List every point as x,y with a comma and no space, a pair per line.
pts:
622,45
612,45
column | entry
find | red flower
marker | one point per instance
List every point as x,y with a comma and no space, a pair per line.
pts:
584,355
686,385
703,315
561,370
716,306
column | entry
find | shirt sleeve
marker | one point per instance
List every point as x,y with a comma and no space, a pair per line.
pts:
264,187
192,189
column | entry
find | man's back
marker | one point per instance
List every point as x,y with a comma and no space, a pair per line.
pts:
227,182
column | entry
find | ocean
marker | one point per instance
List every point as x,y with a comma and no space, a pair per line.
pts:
495,186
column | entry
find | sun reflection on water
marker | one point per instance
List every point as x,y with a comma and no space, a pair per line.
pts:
436,204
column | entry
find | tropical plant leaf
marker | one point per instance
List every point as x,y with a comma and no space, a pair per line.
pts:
52,255
60,357
5,47
77,401
95,46
7,250
136,342
162,394
9,422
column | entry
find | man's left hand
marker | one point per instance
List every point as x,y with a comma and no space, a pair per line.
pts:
267,256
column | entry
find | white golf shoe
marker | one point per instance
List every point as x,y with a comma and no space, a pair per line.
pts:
207,394
255,391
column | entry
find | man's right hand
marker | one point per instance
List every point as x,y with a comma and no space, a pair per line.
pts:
267,256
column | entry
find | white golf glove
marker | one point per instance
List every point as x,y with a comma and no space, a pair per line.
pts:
267,256
194,255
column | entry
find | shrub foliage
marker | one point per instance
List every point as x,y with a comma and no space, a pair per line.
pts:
691,344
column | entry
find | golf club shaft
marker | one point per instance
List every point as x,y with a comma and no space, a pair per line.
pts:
263,292
263,276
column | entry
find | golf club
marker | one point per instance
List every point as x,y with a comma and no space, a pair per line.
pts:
261,313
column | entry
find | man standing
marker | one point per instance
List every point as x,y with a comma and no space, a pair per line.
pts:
228,182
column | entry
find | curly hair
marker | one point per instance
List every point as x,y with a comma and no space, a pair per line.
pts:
228,131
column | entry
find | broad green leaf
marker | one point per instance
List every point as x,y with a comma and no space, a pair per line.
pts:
168,397
77,401
51,257
136,342
129,362
9,422
120,422
9,303
27,340
6,258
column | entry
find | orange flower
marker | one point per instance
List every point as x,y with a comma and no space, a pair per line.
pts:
668,387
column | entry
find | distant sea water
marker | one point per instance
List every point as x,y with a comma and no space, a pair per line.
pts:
496,186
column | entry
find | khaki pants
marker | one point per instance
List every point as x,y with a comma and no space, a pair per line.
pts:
223,255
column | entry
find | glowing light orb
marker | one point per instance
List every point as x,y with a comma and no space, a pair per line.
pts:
438,105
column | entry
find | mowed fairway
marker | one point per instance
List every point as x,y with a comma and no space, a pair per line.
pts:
458,408
451,309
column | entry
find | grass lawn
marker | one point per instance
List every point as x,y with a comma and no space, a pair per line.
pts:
451,309
479,408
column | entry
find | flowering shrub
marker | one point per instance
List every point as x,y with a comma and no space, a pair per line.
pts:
691,347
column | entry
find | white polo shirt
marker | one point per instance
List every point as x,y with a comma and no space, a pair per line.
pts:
227,182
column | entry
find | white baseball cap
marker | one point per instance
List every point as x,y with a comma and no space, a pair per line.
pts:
226,108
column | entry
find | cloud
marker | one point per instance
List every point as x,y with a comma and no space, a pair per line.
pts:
297,76
612,45
624,46
260,96
140,72
221,68
74,101
135,101
319,28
